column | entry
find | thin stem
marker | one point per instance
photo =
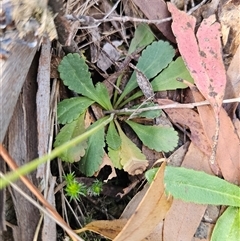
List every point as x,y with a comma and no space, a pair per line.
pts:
27,168
174,105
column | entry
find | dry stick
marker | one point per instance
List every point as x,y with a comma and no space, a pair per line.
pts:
196,7
174,105
12,164
126,18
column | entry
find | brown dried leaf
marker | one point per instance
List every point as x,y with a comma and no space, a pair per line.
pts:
233,72
108,229
228,151
135,166
143,83
151,210
189,118
183,218
107,162
157,9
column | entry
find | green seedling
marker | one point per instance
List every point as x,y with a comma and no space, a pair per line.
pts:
74,73
162,70
75,189
75,142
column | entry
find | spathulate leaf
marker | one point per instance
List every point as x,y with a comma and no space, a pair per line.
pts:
143,36
132,159
227,226
93,157
199,187
74,73
70,109
167,79
158,138
115,157
69,132
113,139
103,96
154,59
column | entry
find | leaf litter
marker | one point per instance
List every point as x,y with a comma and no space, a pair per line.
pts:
202,55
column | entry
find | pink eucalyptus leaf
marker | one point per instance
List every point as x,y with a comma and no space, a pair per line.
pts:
195,55
210,50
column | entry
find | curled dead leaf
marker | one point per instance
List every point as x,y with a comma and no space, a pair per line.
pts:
107,162
108,229
135,166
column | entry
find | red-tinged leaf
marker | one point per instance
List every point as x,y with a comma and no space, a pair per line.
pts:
210,50
201,59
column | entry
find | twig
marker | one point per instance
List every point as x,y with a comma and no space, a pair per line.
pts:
96,22
174,105
196,7
119,19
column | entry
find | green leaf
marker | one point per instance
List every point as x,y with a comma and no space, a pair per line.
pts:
93,157
113,139
70,109
150,114
114,155
103,96
167,79
199,187
154,59
227,226
69,132
143,36
128,155
150,174
156,137
74,73
32,165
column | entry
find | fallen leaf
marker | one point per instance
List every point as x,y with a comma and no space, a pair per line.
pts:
143,83
209,41
183,218
151,210
108,55
157,9
233,83
203,55
190,118
107,162
130,209
233,72
108,229
228,151
133,204
204,232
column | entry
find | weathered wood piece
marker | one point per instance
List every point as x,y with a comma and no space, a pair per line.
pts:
13,72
